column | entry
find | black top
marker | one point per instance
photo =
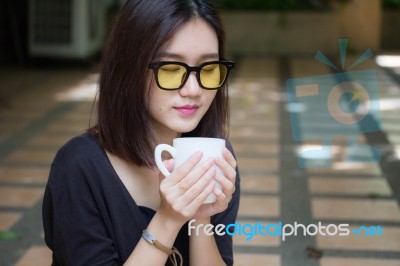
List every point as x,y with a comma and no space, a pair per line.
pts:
90,218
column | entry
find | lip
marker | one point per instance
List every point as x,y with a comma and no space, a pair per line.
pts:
187,110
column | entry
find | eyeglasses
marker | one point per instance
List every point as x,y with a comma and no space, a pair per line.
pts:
211,75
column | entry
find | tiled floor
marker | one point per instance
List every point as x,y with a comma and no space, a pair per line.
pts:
34,124
275,189
40,109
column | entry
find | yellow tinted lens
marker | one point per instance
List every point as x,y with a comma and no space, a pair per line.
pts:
171,76
213,76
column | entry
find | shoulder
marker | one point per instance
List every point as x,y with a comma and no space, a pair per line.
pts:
79,164
79,150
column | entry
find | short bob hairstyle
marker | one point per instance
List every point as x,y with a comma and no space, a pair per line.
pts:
141,29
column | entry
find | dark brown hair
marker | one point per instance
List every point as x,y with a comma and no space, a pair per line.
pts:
142,27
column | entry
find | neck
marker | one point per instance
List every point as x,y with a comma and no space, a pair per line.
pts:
166,136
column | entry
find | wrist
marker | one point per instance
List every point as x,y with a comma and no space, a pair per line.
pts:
163,229
168,222
201,220
173,254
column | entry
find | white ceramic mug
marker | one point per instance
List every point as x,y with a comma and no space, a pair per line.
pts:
183,148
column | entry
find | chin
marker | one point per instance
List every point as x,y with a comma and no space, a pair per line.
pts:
184,127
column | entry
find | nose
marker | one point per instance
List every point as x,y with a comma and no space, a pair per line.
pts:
192,87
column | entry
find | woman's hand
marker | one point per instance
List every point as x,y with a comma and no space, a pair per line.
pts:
227,181
185,190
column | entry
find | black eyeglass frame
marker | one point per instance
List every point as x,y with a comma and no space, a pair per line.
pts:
155,66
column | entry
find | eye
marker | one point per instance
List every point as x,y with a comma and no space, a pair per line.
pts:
171,68
209,68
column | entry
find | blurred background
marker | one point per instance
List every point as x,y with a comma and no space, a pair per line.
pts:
296,163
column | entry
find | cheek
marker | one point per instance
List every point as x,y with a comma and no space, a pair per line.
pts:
210,96
159,101
154,106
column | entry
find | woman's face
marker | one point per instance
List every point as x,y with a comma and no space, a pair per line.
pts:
179,111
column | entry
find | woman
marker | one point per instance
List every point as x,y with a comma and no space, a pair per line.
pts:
105,202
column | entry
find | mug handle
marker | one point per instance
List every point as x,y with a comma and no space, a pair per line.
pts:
157,156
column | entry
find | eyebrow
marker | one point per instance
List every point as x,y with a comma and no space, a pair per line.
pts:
178,56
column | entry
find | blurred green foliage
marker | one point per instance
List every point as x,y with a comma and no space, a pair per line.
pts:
277,5
287,5
8,235
391,4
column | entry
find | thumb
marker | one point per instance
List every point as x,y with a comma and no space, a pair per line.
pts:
169,164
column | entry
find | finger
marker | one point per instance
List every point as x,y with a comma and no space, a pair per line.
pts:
199,186
227,186
228,156
196,174
228,170
196,203
222,200
218,206
221,203
185,168
169,164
